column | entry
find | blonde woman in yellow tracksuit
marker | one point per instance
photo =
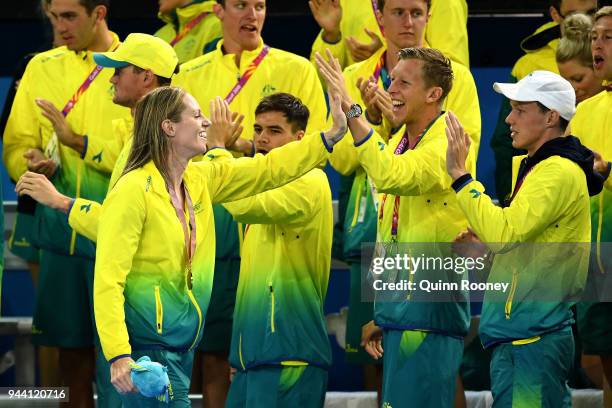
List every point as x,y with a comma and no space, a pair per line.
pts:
156,239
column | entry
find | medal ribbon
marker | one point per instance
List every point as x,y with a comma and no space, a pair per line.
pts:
188,231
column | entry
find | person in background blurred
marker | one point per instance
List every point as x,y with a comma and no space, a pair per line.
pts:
575,59
192,27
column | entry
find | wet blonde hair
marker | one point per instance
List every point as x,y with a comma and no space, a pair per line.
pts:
576,41
150,141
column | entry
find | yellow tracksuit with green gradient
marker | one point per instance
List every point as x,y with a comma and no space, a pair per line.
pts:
420,335
592,124
202,38
284,273
141,296
360,217
56,75
446,30
540,49
84,214
279,326
541,245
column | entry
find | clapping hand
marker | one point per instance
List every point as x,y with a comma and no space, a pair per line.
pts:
225,126
362,51
458,147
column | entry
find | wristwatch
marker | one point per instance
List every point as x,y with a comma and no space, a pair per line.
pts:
354,111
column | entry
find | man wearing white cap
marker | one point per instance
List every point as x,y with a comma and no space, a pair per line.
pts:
528,325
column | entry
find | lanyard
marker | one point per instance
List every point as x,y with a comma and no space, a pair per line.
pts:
247,75
403,145
188,231
375,8
75,98
381,71
188,27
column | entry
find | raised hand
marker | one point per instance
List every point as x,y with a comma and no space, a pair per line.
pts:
328,14
362,51
331,71
42,190
369,95
60,125
225,125
38,163
458,147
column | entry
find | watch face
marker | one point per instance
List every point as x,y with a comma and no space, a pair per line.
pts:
355,111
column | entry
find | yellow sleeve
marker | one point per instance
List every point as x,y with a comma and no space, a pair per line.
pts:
416,172
121,224
22,130
84,217
541,200
344,156
290,203
338,49
102,151
231,180
447,29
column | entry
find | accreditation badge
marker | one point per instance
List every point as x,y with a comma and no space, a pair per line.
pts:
52,150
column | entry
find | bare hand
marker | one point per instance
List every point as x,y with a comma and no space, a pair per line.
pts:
468,245
331,71
60,125
42,190
362,51
120,375
225,125
328,14
371,340
340,125
368,89
458,147
600,165
38,163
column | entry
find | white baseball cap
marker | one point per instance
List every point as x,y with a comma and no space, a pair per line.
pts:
546,87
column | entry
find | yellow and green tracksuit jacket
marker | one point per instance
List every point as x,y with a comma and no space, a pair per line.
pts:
592,124
84,214
141,297
284,272
359,221
56,75
428,213
446,30
201,39
548,216
540,50
215,74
